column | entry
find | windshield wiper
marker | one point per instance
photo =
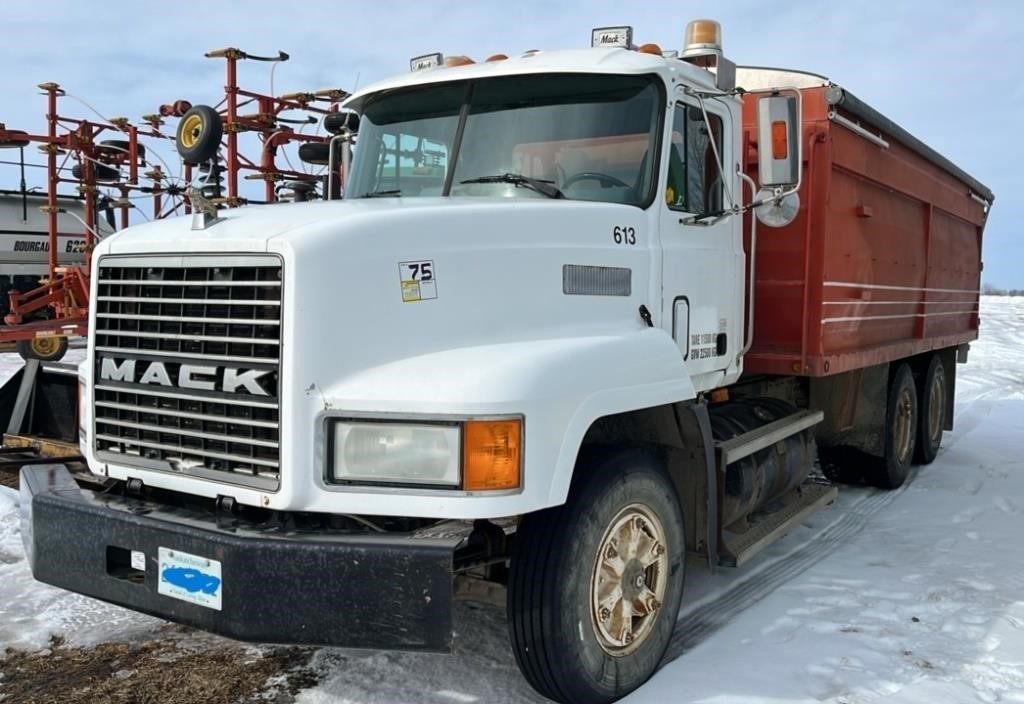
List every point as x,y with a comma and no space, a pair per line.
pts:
537,184
381,194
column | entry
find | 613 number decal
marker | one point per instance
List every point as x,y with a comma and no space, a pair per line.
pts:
624,235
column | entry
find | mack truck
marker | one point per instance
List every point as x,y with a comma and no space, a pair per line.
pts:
582,320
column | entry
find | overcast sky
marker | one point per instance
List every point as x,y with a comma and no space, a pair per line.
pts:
950,71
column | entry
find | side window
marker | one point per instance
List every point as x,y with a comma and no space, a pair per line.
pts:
694,181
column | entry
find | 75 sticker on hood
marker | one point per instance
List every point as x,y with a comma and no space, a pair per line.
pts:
418,280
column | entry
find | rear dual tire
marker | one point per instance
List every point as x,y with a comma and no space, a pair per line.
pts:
932,399
901,431
914,423
595,585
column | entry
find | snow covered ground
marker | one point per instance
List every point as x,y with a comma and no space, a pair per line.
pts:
918,595
914,596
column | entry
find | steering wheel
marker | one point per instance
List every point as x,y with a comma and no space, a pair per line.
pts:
605,179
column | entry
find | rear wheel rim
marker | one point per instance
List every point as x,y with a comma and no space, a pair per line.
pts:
936,408
627,586
903,434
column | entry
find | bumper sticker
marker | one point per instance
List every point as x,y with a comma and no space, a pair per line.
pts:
190,578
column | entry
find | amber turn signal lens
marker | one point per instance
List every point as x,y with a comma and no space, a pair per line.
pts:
492,454
780,140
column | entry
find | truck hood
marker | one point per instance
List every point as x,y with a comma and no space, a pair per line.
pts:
253,228
498,271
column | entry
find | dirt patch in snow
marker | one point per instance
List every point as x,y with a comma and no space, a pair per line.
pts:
8,478
175,669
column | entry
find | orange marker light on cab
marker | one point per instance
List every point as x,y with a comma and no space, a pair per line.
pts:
451,61
492,454
780,140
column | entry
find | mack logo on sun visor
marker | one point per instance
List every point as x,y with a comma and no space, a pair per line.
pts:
202,377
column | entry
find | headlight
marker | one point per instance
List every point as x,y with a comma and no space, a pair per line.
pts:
395,453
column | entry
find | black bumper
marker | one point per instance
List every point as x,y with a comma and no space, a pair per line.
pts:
372,590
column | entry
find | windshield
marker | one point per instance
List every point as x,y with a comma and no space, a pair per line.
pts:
582,137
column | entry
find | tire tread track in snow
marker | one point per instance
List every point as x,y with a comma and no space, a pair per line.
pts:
712,615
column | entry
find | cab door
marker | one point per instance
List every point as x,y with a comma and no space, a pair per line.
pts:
703,260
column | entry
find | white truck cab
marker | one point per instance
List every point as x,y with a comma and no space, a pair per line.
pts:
438,291
487,362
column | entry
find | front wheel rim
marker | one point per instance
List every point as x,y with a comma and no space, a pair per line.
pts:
627,586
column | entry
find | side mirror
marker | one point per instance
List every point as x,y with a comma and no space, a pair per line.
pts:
778,141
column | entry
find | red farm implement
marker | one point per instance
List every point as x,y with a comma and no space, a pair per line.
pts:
105,173
208,138
108,174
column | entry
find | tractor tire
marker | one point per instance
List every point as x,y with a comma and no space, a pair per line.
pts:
199,134
931,404
595,585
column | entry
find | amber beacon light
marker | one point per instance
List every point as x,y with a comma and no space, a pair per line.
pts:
703,34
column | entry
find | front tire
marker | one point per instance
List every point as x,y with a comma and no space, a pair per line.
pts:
595,585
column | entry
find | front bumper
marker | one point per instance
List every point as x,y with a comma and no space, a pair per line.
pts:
357,590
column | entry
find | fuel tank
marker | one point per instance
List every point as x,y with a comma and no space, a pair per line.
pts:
755,481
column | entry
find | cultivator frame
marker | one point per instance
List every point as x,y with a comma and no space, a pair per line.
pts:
275,130
65,290
62,298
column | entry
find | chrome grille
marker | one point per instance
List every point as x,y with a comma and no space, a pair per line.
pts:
187,375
